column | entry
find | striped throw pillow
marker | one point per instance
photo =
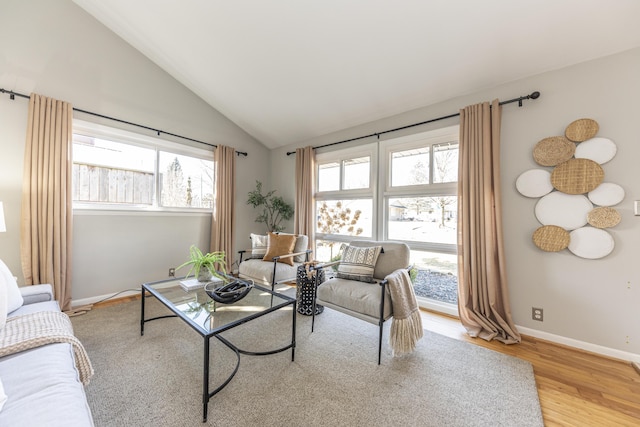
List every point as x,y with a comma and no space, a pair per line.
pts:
358,263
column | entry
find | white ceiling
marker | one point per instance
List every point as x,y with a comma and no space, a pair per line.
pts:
287,71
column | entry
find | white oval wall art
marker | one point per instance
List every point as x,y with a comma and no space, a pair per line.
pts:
590,243
606,194
564,210
600,150
534,183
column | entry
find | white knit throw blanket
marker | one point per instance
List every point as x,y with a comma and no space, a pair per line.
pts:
44,327
406,325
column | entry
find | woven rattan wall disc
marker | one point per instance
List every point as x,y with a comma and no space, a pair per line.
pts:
581,130
577,176
551,238
604,217
553,150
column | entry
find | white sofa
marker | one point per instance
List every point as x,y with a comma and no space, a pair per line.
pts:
40,386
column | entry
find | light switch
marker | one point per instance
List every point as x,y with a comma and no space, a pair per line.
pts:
636,207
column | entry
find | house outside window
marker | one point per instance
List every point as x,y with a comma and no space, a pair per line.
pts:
115,169
411,196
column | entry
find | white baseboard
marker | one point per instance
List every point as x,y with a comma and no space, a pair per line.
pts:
100,298
593,348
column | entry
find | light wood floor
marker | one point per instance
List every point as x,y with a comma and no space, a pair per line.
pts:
575,387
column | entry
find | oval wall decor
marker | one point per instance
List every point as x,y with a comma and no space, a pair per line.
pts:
551,238
577,176
564,210
534,183
553,150
581,130
590,243
600,150
604,217
607,194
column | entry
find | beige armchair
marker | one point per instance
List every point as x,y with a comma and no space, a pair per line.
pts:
360,288
273,258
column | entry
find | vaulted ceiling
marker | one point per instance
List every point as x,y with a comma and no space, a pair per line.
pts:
287,71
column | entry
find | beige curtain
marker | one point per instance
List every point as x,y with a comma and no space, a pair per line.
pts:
304,222
47,215
223,222
483,295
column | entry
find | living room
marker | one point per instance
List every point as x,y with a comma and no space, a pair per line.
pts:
588,304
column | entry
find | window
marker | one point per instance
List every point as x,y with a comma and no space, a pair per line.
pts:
421,208
120,169
409,195
345,198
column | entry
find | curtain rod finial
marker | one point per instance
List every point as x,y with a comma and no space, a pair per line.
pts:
535,95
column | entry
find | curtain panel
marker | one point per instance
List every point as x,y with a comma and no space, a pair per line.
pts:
47,216
483,294
223,222
304,221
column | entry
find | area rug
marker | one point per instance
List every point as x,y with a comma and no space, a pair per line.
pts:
156,379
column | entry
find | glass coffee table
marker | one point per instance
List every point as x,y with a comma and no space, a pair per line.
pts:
209,319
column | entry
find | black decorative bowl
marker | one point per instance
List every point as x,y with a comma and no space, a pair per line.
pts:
229,292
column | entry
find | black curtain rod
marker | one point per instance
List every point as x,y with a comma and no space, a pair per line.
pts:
533,95
12,95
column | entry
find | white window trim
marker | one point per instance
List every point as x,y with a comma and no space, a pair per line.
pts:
96,130
338,155
408,142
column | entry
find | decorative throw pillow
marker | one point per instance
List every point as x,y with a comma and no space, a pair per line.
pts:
280,244
259,244
358,263
302,243
14,297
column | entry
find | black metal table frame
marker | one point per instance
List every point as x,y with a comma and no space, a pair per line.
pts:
206,394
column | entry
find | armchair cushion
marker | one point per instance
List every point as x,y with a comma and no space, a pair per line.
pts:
280,244
356,298
259,244
14,297
358,263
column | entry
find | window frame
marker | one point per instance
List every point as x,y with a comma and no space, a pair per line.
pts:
387,191
339,156
95,130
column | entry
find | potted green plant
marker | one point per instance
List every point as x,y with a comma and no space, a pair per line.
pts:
274,208
204,266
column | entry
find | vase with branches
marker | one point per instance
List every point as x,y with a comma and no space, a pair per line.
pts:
274,208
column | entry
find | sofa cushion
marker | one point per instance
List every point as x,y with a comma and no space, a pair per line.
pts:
280,244
34,308
3,306
43,388
14,297
358,263
259,244
3,395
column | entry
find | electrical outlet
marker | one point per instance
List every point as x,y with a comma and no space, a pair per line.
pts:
172,272
537,314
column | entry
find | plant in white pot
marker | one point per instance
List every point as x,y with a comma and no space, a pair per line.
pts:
204,266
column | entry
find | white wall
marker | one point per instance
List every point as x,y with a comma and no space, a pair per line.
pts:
592,304
55,49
